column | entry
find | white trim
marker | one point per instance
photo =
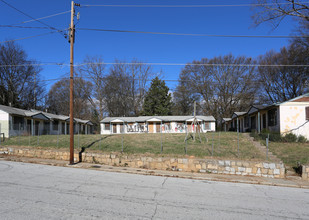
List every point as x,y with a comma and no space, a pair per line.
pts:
153,119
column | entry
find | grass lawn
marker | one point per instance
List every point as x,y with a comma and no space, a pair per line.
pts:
291,153
219,144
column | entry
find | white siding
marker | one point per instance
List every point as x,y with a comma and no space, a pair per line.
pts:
103,131
293,118
4,123
213,126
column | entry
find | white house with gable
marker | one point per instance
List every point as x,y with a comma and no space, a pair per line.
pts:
291,116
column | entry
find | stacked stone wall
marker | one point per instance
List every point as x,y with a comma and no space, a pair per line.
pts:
305,172
234,167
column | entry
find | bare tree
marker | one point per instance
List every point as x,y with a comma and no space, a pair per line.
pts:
59,99
139,75
224,88
117,87
122,90
184,96
95,71
19,78
275,11
282,83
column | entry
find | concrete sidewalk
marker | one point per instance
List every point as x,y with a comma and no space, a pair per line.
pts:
289,181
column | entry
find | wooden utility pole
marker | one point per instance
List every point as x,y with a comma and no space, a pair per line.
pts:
71,40
194,121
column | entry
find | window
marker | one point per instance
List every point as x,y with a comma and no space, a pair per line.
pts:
107,126
55,125
307,113
272,117
264,120
18,123
206,125
246,121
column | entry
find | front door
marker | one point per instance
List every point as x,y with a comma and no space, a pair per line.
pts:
158,128
37,127
114,129
29,128
150,127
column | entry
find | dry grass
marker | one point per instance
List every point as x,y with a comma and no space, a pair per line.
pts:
291,153
217,144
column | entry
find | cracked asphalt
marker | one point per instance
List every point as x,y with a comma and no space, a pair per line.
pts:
35,191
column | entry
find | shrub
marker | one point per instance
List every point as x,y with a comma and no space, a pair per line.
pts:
276,137
301,139
290,137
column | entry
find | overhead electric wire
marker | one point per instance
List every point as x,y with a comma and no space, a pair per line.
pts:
199,64
48,16
162,33
23,38
17,26
11,6
191,6
184,34
162,64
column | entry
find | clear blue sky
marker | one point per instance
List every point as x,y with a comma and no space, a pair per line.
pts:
144,47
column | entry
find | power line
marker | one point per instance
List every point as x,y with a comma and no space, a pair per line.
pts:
199,64
16,26
190,6
52,32
184,34
162,33
35,64
11,6
162,64
49,16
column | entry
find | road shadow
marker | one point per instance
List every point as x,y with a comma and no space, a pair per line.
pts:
88,146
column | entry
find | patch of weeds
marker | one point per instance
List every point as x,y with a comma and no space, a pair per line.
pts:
94,160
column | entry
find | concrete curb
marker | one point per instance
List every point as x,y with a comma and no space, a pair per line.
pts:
172,174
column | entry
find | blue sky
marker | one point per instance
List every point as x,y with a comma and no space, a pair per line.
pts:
144,47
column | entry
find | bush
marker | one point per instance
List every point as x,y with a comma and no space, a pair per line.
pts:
276,137
301,139
290,137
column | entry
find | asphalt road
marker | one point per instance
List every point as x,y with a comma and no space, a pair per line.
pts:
31,191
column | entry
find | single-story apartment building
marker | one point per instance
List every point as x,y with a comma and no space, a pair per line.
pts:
15,121
227,124
239,119
157,124
291,116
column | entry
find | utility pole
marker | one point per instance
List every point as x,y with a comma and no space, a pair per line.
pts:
71,41
194,121
34,92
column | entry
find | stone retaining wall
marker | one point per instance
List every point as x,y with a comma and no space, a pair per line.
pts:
305,172
236,167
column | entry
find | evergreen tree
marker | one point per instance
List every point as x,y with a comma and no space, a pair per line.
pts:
158,100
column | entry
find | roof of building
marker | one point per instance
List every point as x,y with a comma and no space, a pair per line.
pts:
34,112
226,119
237,114
302,98
161,118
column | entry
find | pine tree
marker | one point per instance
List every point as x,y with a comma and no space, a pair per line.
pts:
158,100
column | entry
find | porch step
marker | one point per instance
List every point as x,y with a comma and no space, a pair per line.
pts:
263,149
